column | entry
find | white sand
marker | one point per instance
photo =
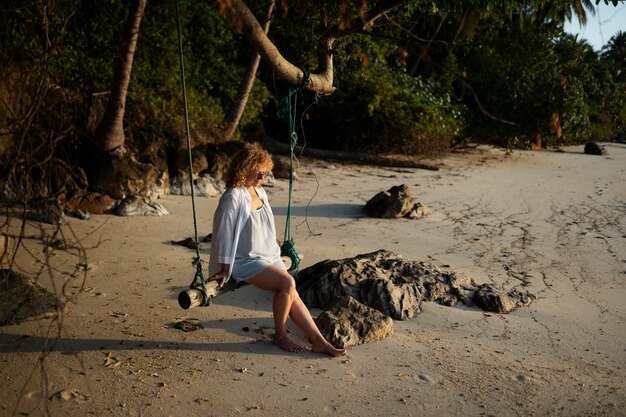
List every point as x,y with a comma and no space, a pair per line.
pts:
553,223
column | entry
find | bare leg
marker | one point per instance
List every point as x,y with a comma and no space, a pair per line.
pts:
271,279
302,317
286,303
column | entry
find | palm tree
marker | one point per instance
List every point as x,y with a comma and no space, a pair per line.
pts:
239,105
615,51
559,13
110,131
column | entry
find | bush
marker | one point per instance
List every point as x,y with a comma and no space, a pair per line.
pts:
531,78
380,108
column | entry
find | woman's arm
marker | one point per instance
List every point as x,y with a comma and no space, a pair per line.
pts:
222,275
225,222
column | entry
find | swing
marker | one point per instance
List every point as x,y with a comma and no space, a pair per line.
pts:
287,112
201,292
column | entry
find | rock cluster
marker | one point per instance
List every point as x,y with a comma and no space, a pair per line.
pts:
393,286
204,185
384,281
139,206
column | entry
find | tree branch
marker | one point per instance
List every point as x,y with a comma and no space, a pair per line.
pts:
366,21
321,82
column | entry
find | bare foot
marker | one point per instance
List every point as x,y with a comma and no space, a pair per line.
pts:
285,343
326,347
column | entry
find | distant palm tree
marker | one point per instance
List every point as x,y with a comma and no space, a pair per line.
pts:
560,13
615,50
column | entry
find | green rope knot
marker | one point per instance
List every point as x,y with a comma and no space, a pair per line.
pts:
284,105
199,280
307,78
288,249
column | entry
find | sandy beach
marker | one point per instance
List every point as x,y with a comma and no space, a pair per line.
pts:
551,223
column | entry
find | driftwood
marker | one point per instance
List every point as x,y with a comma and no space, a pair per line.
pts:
273,146
193,296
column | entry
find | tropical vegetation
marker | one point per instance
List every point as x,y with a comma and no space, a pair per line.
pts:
414,77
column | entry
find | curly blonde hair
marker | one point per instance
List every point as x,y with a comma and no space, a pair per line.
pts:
253,156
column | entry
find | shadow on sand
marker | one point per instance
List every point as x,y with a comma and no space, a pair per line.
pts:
338,211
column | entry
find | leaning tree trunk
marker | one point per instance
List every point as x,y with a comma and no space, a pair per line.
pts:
110,131
321,82
236,110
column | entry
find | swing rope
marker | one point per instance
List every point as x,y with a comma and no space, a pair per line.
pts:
287,112
199,279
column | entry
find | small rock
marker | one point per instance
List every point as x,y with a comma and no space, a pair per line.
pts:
189,325
69,395
492,299
394,203
188,242
423,378
592,148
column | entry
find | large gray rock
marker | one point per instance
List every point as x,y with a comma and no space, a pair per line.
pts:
137,206
122,174
396,287
204,185
90,202
350,323
384,281
394,203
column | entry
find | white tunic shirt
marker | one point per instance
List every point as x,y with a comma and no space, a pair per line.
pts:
231,215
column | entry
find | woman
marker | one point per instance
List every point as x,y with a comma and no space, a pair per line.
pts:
245,248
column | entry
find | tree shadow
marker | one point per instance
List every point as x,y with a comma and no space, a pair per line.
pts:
339,211
22,343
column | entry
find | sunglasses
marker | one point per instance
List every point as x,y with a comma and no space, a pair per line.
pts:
261,174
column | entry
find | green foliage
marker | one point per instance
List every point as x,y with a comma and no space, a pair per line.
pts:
396,91
215,61
528,77
611,100
401,113
88,53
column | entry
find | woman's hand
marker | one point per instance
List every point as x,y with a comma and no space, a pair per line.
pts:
221,277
